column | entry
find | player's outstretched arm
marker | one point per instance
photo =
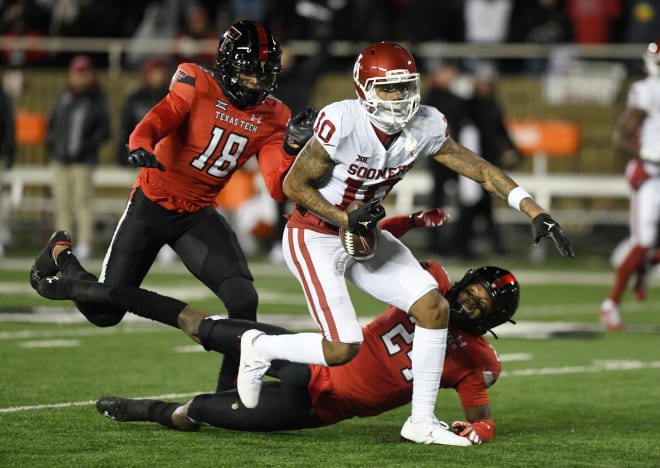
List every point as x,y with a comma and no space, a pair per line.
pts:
469,164
398,225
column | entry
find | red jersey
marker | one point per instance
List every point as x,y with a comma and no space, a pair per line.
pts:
201,139
379,378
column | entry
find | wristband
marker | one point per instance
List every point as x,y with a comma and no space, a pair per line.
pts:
516,196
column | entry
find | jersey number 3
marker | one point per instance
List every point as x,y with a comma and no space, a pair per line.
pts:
399,330
227,160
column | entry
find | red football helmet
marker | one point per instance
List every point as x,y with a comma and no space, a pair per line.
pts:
387,65
652,59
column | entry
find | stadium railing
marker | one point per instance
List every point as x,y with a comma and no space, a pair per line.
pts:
562,95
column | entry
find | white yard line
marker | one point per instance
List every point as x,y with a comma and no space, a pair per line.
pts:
597,366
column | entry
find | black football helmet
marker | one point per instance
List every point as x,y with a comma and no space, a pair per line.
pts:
248,47
504,291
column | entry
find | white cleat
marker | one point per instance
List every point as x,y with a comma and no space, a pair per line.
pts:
610,317
432,432
251,370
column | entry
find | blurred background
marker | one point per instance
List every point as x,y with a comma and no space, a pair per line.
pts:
554,73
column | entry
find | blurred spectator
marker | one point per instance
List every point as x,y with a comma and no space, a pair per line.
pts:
187,47
254,10
154,84
486,22
441,75
63,16
78,124
85,18
446,24
538,22
642,21
491,139
159,21
7,153
592,20
24,21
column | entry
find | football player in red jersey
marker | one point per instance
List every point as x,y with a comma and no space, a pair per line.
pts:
189,145
377,380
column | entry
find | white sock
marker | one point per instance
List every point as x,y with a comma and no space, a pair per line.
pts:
428,358
306,348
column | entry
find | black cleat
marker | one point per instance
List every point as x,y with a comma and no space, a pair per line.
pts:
44,265
58,288
55,287
115,408
126,409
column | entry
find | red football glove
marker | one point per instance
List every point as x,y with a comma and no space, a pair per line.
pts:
635,173
476,432
429,218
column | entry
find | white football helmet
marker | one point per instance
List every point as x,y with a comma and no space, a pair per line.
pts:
387,64
652,59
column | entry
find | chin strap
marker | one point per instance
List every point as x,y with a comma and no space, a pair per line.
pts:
411,143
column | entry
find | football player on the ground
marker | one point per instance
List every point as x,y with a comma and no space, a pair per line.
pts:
637,137
361,148
304,396
189,145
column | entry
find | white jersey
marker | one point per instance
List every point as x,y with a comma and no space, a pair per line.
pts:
364,168
645,201
645,95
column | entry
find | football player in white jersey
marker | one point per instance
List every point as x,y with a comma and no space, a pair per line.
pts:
361,148
637,136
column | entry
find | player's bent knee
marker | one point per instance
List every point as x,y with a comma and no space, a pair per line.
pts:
431,311
337,353
101,315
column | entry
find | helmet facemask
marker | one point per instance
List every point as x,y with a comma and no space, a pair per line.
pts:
504,292
233,76
248,52
390,116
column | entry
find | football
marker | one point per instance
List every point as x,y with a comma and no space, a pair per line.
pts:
358,246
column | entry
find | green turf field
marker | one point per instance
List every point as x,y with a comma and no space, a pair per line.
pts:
569,395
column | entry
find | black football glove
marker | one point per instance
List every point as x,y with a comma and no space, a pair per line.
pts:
545,226
299,129
366,217
143,158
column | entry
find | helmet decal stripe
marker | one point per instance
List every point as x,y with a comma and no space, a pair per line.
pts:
503,280
263,41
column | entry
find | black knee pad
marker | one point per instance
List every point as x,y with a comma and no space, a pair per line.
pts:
240,297
101,315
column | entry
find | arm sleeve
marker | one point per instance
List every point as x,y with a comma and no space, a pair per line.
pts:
397,225
472,391
274,163
158,122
